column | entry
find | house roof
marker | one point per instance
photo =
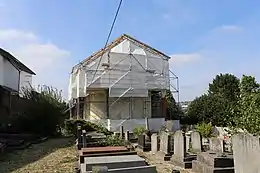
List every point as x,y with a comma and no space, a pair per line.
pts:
15,62
115,43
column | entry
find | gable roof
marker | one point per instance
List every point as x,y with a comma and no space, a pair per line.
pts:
115,43
15,62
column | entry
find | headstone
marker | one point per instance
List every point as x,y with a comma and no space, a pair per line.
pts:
141,141
246,150
99,169
188,141
121,132
127,134
196,141
216,145
179,144
154,143
164,142
79,137
146,123
84,138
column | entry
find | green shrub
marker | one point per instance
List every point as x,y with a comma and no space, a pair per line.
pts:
112,140
139,130
44,111
205,129
71,127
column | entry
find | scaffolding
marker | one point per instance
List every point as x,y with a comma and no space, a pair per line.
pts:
128,73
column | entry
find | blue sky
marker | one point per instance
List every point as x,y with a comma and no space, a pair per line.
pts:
203,37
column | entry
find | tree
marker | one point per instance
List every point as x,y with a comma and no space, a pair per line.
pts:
247,114
210,108
173,109
248,84
226,85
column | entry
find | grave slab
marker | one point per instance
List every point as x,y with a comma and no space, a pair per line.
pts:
141,169
114,162
92,150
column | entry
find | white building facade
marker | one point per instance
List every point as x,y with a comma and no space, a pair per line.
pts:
14,75
116,84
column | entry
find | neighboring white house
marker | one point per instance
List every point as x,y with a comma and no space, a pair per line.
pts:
14,75
117,84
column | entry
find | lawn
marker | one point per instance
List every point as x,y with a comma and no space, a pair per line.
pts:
51,156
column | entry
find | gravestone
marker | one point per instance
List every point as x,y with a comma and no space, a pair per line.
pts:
213,162
127,134
164,142
196,141
188,141
154,143
121,132
180,157
79,137
216,145
246,150
84,138
165,146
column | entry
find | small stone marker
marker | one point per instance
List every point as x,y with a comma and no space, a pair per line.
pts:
154,143
127,134
99,169
196,141
216,145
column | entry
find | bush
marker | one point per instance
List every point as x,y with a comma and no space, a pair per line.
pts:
71,127
205,129
139,130
112,140
44,113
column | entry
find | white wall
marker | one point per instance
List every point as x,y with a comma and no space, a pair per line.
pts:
1,70
25,80
11,75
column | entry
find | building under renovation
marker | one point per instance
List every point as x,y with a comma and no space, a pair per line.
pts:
124,82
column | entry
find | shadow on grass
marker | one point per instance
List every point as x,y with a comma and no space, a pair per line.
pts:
50,152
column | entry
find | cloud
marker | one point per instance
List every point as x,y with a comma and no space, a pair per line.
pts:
230,28
180,59
50,63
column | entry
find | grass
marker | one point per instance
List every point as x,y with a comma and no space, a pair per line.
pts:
52,156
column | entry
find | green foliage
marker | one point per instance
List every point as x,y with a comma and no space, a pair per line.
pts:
44,113
139,130
174,111
216,106
71,127
247,113
112,140
226,85
205,129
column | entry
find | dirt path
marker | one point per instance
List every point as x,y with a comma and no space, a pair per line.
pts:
161,166
52,156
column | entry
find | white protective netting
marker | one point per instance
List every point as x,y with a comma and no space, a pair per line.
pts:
132,72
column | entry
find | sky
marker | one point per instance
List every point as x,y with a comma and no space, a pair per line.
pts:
204,38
